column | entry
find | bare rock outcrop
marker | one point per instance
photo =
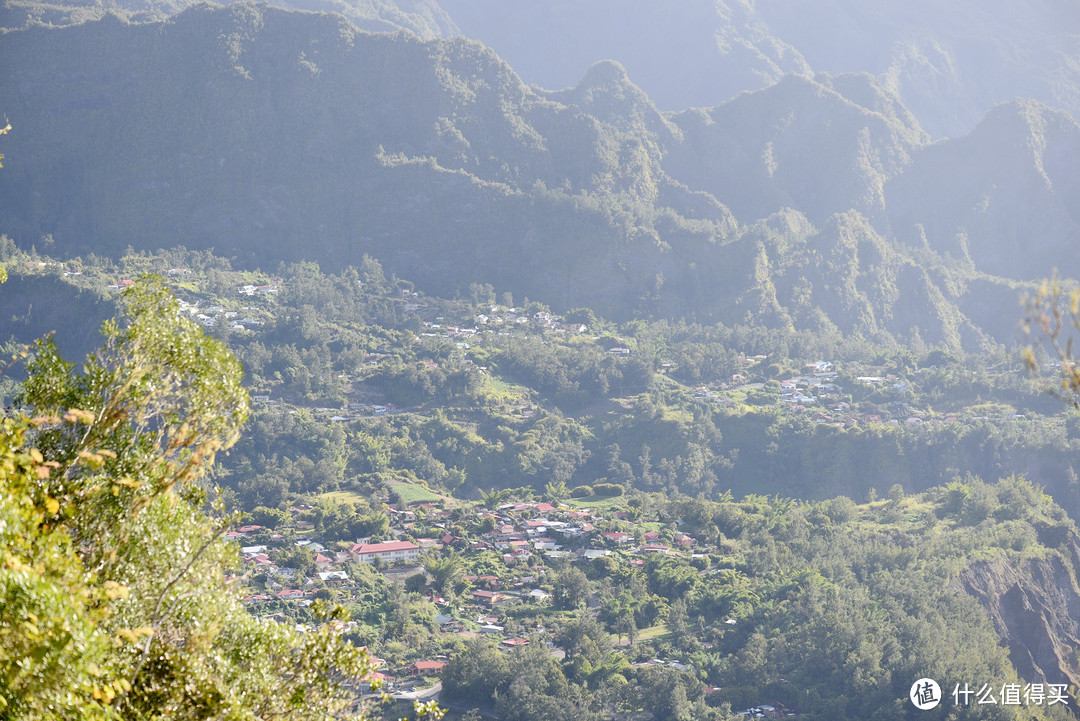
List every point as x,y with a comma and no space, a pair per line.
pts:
1035,609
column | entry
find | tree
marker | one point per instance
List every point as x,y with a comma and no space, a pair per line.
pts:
444,571
1052,310
571,589
555,492
495,498
677,621
113,599
416,583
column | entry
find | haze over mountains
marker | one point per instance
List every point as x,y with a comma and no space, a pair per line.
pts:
809,201
947,62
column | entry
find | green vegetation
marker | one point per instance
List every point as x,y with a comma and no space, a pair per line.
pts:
409,493
465,180
362,391
115,597
743,605
556,397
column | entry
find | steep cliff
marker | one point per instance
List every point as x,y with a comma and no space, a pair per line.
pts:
1035,609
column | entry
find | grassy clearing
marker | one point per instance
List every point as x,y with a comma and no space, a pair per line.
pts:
648,634
594,502
344,497
505,390
412,493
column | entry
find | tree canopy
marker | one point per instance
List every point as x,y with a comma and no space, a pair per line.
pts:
115,595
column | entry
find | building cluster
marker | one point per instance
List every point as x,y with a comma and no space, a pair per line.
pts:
523,535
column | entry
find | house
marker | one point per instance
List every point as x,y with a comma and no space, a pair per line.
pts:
376,680
684,540
448,624
489,598
257,598
322,562
390,552
333,576
290,594
426,668
489,580
515,642
617,537
654,548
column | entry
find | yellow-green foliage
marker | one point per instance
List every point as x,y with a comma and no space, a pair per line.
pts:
114,601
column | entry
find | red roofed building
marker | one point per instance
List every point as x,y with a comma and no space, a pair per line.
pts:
515,642
489,598
427,668
391,552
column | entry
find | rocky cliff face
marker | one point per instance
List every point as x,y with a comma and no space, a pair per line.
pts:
1035,608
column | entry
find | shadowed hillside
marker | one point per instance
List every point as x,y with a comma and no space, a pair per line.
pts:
272,135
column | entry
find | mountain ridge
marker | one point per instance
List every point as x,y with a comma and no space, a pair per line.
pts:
294,135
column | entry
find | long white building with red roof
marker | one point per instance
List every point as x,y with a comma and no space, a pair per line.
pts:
390,552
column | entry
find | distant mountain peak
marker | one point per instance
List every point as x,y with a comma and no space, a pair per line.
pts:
605,72
607,93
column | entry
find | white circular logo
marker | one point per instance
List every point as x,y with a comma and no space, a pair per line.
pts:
925,694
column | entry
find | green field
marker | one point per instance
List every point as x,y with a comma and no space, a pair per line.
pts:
343,496
412,493
597,502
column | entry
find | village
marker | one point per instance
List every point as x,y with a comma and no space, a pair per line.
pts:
819,391
504,589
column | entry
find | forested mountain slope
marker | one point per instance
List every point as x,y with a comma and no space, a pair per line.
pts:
270,135
949,64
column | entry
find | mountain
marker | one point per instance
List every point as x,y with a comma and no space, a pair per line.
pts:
274,135
1005,198
268,134
949,63
822,146
423,18
686,53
